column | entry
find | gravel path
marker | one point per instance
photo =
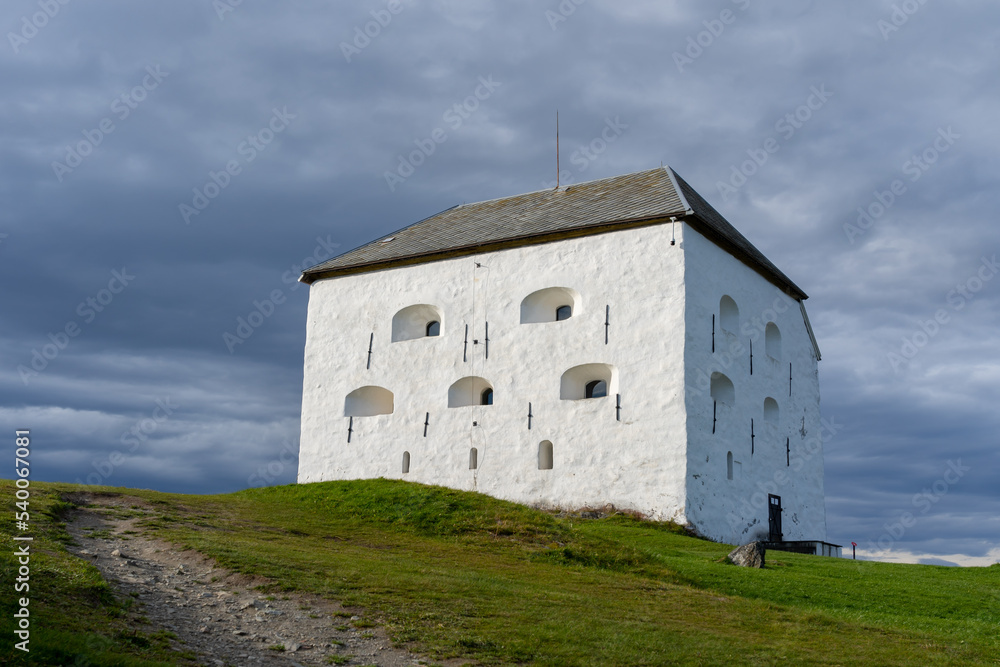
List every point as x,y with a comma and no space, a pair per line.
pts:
218,615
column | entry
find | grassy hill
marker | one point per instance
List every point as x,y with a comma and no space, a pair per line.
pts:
455,574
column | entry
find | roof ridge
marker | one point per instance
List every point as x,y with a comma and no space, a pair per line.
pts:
563,188
688,209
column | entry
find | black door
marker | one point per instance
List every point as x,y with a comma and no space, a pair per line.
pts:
774,517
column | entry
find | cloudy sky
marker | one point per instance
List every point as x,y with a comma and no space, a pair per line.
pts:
167,169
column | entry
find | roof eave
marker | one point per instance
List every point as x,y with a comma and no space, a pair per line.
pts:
309,277
781,281
778,279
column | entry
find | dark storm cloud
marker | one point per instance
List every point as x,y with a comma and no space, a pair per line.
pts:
177,101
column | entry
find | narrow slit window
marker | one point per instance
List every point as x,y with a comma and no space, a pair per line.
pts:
406,462
729,314
564,313
434,328
486,398
473,458
597,389
729,465
771,411
772,341
545,455
722,389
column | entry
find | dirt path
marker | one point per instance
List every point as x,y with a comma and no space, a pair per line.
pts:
214,613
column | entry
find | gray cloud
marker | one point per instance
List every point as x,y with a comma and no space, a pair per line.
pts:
323,176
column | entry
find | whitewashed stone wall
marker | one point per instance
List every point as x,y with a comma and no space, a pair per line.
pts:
640,462
735,511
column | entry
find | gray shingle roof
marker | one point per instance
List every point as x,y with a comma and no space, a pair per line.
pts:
597,206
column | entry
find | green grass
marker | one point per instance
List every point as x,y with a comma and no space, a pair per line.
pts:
75,618
460,575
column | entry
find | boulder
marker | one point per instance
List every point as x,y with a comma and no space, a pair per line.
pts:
749,555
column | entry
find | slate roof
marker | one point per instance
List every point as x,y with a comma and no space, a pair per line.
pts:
645,197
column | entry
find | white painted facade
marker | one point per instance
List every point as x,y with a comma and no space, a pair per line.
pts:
656,455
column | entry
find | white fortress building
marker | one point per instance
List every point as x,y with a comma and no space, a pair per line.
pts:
616,342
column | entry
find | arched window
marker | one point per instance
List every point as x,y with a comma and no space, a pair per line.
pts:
729,465
406,462
588,381
547,305
416,322
473,458
545,455
772,341
729,315
722,389
770,410
597,389
368,401
470,391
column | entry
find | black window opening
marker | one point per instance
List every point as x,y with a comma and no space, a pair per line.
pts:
596,389
486,398
434,328
564,313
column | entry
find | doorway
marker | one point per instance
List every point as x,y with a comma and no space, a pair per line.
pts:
774,518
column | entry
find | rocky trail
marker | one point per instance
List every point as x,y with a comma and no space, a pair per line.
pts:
215,614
